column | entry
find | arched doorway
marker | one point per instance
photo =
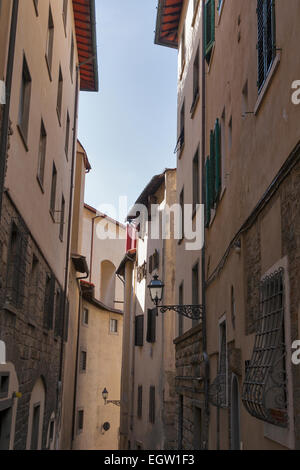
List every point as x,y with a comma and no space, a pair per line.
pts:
36,416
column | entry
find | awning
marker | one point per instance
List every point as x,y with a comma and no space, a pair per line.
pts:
167,23
85,26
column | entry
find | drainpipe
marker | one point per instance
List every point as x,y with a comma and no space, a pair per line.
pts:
8,86
203,288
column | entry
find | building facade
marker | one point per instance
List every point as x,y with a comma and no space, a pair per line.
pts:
148,398
249,181
41,80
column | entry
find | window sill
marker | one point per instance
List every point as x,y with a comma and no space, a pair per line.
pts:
267,83
24,140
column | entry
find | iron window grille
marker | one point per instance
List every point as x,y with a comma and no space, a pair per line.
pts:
49,301
17,261
266,44
140,402
265,386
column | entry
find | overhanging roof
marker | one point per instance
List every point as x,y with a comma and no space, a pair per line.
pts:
85,27
167,22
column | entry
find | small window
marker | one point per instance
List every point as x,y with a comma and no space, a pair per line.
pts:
183,49
113,325
196,181
62,218
85,316
50,41
72,57
209,28
139,330
24,104
266,45
67,141
181,202
83,361
152,405
59,95
151,325
196,75
58,313
36,6
53,190
65,13
80,420
51,432
4,384
140,402
42,155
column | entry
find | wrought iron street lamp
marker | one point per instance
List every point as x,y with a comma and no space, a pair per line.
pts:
156,288
106,401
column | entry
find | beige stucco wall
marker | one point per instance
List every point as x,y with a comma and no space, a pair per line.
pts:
5,10
103,370
31,201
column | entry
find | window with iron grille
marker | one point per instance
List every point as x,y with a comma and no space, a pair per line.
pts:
49,302
265,385
58,313
83,361
152,404
139,330
266,45
33,286
80,420
209,28
151,325
140,402
16,272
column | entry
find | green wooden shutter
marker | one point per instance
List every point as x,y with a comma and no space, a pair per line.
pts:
212,172
207,192
218,160
209,32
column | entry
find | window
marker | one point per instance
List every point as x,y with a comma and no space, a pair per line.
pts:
49,302
24,104
51,431
222,372
67,141
83,360
65,13
16,270
139,330
213,172
183,49
265,386
49,43
196,76
152,405
195,288
85,316
62,218
42,155
196,182
53,190
266,45
4,384
181,202
59,94
36,6
180,317
209,28
140,402
35,427
230,134
113,325
151,325
72,57
80,420
154,261
58,313
33,286
180,142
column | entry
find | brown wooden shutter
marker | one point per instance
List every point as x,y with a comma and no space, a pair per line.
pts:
139,330
151,326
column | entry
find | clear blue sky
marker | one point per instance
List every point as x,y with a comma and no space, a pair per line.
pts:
129,128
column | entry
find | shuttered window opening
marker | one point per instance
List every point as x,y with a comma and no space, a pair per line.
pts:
266,44
59,301
66,321
265,385
49,301
16,271
209,28
83,361
151,325
140,402
139,330
213,172
152,405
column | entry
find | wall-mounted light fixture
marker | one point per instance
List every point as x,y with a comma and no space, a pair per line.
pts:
106,401
156,288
